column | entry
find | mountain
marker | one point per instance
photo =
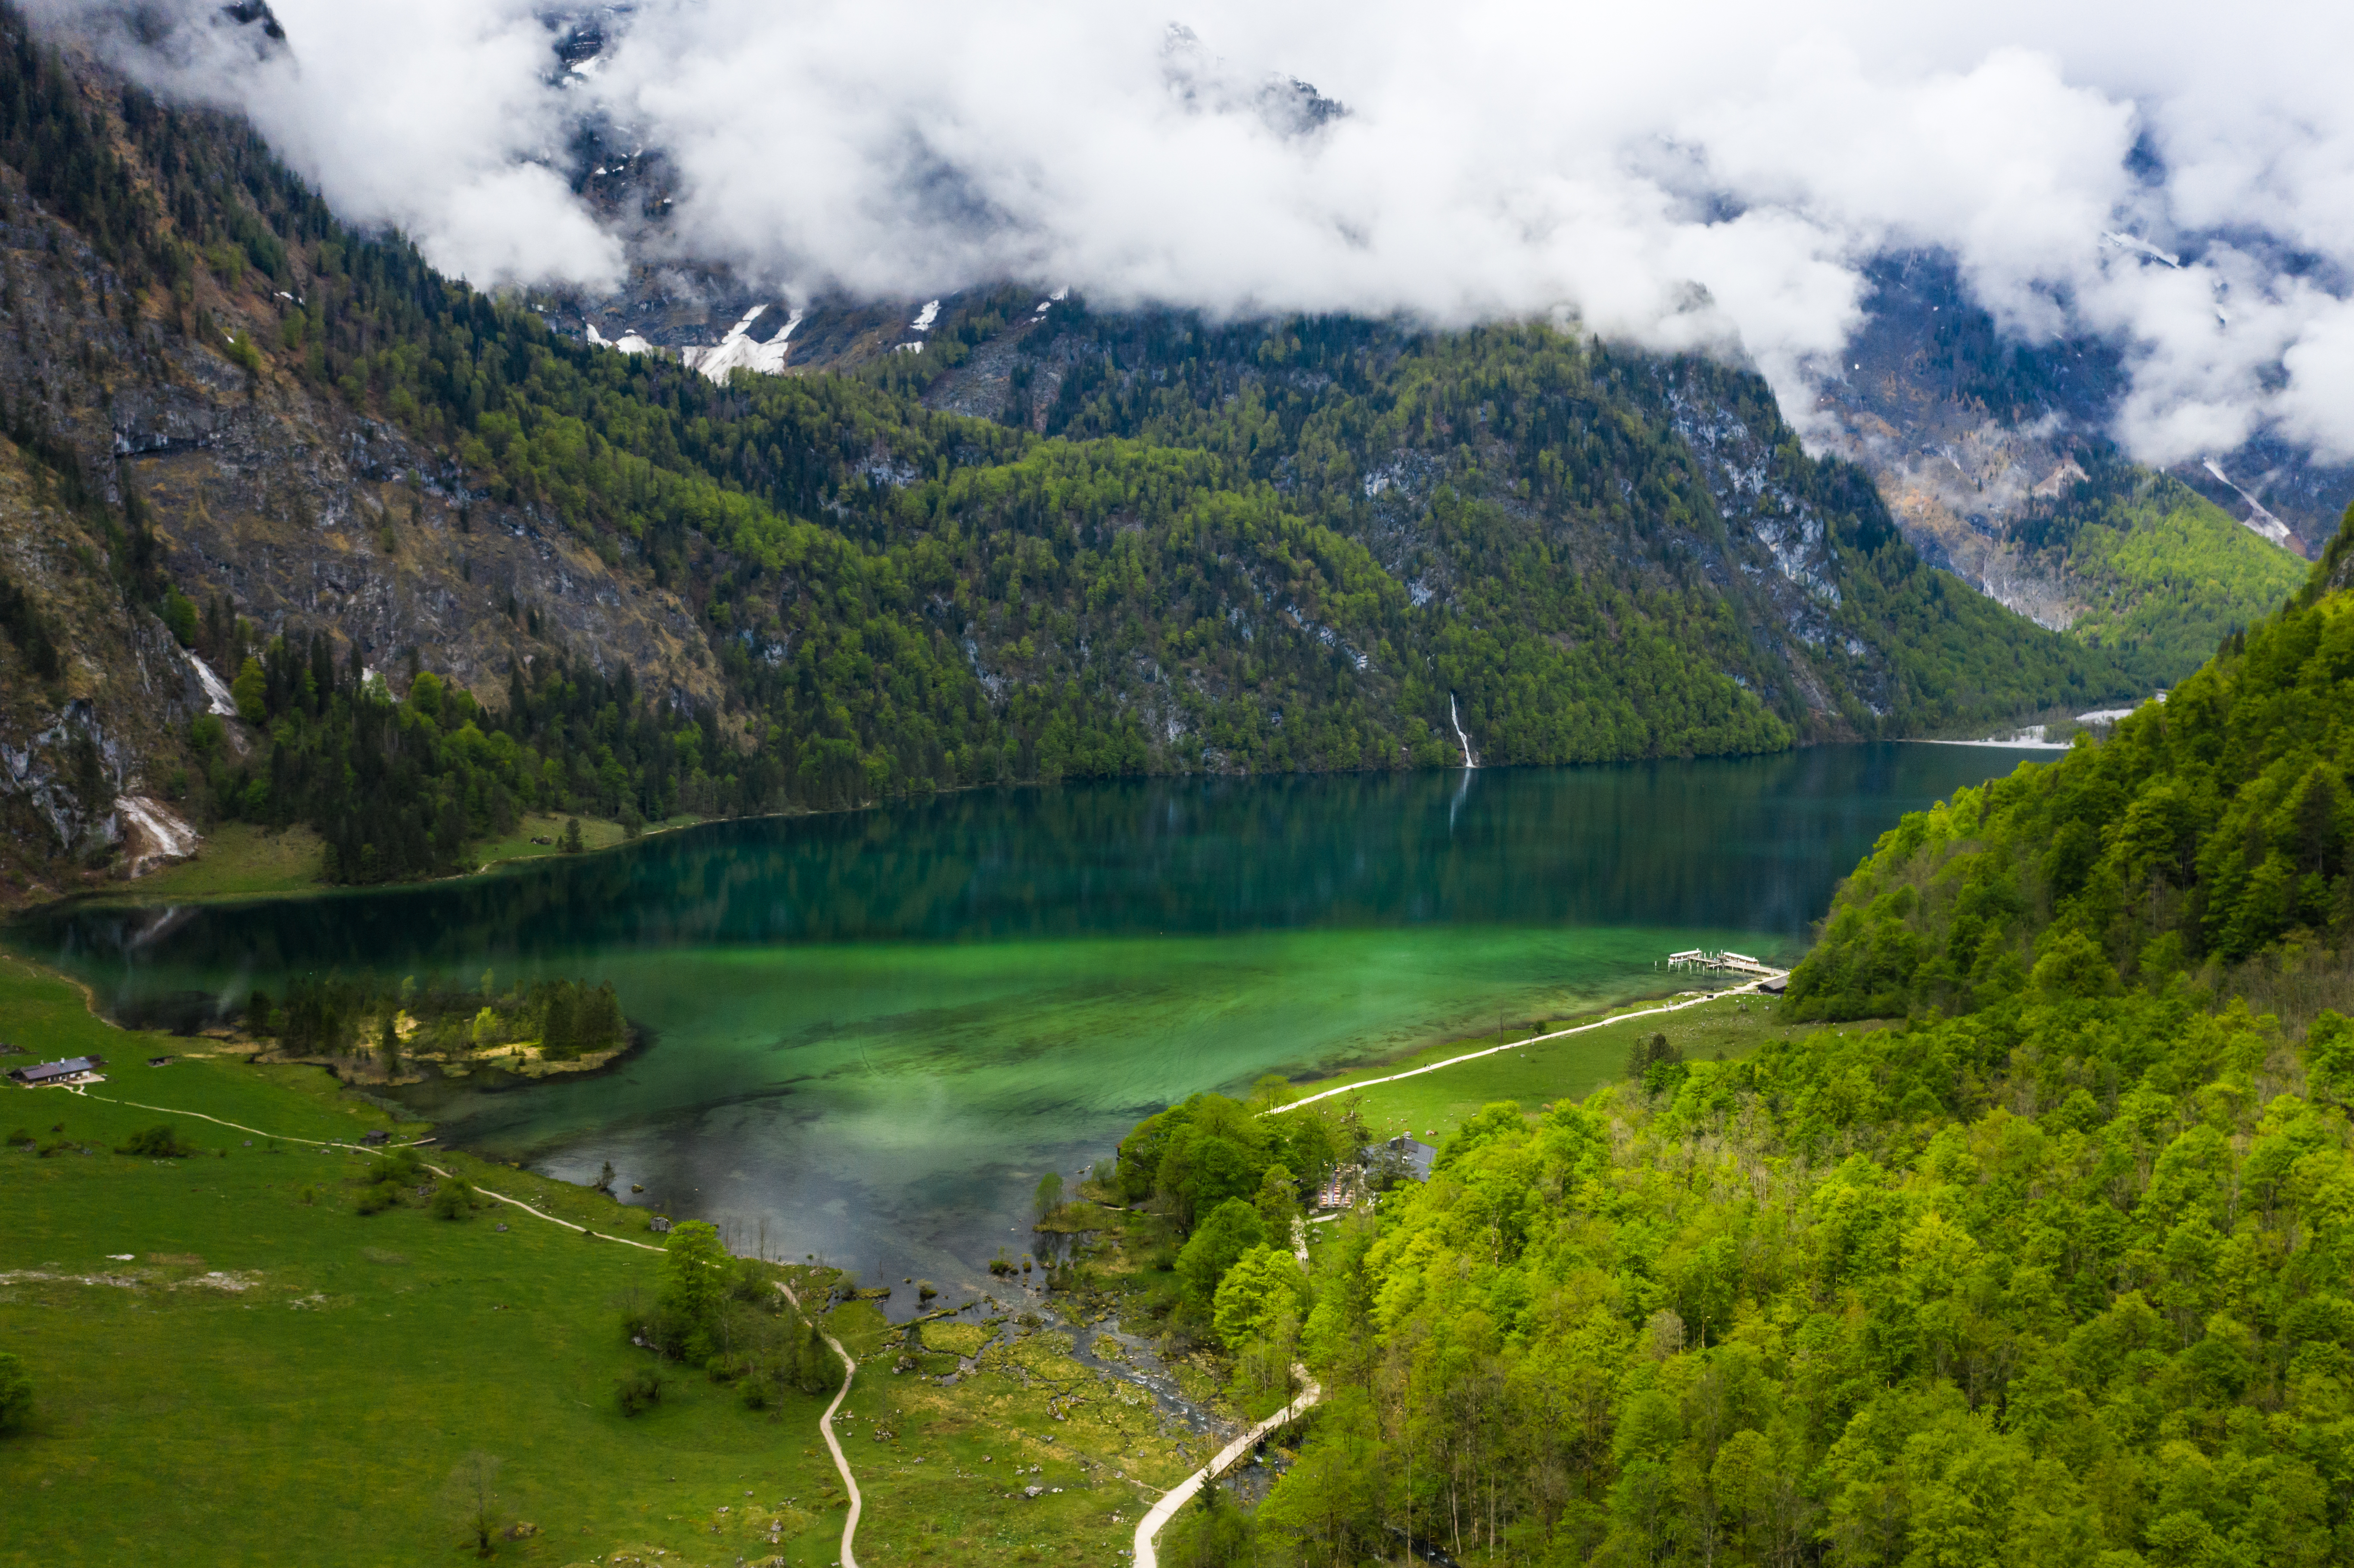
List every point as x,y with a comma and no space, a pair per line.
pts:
2213,828
1982,452
1977,440
1964,425
1968,432
1014,541
2156,574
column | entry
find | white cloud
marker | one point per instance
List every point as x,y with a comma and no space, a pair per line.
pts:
1694,171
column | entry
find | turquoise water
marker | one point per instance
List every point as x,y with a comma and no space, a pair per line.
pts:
874,1031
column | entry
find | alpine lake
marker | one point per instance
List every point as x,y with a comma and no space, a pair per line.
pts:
872,1033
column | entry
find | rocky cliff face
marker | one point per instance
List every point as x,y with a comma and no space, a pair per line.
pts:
86,753
1965,433
305,513
308,515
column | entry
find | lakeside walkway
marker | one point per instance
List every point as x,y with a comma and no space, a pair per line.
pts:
1748,990
1183,1493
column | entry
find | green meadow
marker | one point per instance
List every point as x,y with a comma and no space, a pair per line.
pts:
233,1366
1433,1105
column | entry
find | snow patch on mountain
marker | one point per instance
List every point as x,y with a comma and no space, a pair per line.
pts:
740,351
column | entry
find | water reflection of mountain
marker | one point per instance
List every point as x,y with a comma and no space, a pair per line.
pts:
1752,845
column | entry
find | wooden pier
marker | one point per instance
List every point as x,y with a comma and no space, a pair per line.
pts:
1725,962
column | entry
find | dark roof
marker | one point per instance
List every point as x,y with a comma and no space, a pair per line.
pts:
1418,1156
50,1071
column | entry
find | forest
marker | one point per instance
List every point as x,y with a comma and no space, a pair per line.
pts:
400,788
2172,574
2050,1267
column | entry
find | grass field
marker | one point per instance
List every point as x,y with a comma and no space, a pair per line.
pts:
943,1481
233,1366
269,1377
1434,1105
241,861
595,835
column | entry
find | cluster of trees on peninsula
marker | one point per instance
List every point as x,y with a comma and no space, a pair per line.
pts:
375,1021
2053,1269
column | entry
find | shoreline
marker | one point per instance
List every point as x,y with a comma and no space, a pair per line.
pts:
1674,1002
1610,1013
130,895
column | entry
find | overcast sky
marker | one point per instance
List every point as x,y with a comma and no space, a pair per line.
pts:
1688,173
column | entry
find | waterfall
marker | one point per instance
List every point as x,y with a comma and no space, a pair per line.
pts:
1468,761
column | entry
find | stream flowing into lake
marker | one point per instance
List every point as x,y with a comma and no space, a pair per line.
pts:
874,1032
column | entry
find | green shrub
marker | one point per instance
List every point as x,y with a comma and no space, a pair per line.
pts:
401,1166
180,615
749,1283
19,1139
637,1390
162,1141
452,1199
376,1197
16,1392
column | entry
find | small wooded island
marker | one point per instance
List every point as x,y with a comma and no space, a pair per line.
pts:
403,1034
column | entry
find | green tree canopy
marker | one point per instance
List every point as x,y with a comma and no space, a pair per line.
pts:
695,1274
1230,1229
1262,1285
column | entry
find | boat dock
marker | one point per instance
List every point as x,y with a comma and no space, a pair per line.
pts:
1725,962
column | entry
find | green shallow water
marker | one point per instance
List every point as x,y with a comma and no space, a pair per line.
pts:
874,1031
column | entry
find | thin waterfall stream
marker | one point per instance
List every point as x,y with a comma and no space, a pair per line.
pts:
1455,718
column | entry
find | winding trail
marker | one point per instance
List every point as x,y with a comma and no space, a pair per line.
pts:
372,1148
1517,1044
1183,1493
825,1425
849,1366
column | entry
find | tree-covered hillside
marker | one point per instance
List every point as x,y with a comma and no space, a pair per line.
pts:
2052,1271
2164,573
2210,828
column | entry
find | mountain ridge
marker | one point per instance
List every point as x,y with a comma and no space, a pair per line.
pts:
1314,542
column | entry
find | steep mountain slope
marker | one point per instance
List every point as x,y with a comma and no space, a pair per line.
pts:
93,691
1966,429
2214,827
155,446
1160,544
2161,575
1975,440
1979,450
